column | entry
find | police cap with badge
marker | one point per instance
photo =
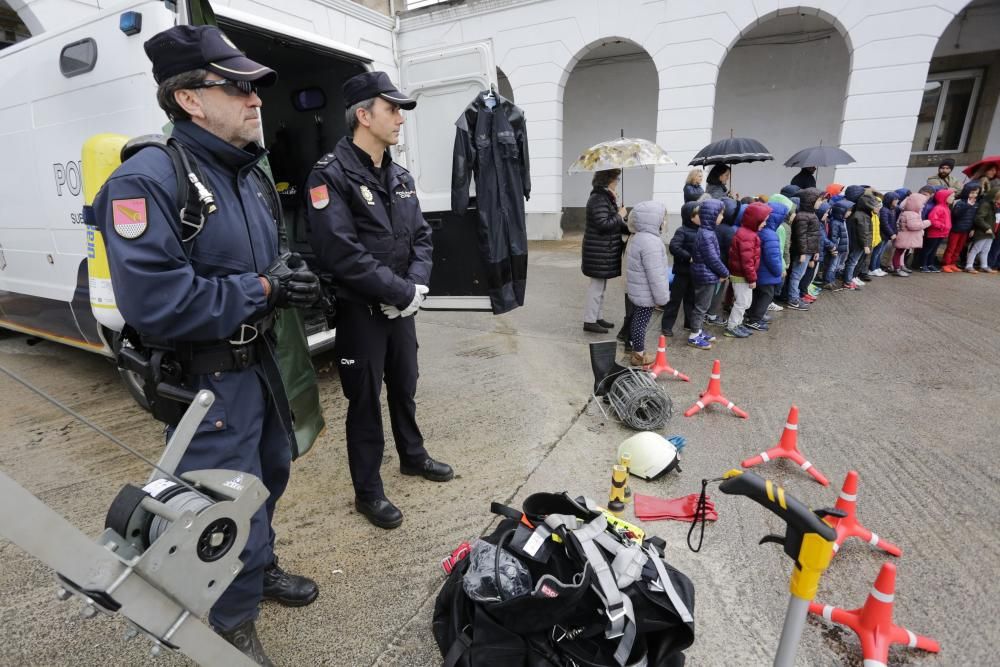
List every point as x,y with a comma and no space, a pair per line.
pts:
185,48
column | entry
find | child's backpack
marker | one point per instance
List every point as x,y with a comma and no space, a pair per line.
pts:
562,584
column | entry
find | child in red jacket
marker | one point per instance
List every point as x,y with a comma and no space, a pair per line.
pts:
744,260
940,219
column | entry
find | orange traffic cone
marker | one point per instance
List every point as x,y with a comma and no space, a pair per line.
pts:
714,395
848,526
873,622
787,448
661,365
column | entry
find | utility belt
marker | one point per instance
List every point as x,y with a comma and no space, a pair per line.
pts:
166,367
242,351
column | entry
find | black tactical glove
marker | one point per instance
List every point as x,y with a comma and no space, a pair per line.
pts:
292,283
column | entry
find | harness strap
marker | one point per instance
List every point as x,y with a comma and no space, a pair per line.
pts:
618,607
668,587
459,648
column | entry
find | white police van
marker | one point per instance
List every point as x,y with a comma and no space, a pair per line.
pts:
88,74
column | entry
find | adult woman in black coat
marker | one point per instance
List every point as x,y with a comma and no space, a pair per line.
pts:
602,246
718,181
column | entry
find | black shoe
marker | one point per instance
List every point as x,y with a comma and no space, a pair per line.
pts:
380,512
244,638
622,335
291,590
605,324
594,327
669,333
430,469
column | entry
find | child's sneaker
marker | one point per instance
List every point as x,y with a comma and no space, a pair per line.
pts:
734,333
757,326
714,319
809,298
775,307
797,305
858,282
850,286
814,290
707,336
744,330
699,342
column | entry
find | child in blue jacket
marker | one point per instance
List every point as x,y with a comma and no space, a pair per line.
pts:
771,272
707,268
838,237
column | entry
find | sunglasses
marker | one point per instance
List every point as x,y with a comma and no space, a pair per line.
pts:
229,87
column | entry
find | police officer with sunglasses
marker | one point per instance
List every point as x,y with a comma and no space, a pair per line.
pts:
210,295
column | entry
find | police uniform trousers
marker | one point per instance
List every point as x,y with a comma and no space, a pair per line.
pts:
243,431
369,346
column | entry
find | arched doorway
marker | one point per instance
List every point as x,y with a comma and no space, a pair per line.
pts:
959,114
612,89
784,84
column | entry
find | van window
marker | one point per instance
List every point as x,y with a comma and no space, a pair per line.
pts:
78,58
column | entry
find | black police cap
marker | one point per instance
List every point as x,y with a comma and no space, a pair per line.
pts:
367,85
184,48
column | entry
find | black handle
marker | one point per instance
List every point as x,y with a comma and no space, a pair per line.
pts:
800,519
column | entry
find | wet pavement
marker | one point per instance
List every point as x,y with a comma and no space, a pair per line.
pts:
898,382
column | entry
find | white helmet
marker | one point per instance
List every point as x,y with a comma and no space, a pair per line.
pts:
652,454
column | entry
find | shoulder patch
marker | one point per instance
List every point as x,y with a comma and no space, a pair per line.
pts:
129,217
319,196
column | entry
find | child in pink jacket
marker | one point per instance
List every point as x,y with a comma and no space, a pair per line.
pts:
911,232
940,227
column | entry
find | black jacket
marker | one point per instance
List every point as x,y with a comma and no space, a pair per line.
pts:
804,179
859,225
602,238
805,225
682,243
493,145
372,237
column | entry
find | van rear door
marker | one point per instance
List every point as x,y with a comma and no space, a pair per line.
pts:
444,82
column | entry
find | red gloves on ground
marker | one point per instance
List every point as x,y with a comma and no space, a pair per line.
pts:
651,508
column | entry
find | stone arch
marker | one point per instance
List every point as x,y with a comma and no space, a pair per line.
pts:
784,82
598,106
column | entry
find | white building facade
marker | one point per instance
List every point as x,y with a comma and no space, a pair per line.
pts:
897,84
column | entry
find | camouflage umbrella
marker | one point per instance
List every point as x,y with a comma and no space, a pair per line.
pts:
622,153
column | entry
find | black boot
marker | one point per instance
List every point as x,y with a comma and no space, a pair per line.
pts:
244,638
290,590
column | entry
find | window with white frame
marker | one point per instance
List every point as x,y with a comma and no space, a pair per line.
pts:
946,112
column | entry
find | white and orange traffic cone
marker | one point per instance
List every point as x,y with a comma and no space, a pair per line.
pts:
787,448
713,394
848,526
873,622
661,365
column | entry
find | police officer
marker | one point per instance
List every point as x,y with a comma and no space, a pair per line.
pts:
368,232
210,296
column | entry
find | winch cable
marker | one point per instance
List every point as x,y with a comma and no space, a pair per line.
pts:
76,415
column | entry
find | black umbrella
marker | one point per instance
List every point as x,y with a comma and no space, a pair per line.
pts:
819,156
734,150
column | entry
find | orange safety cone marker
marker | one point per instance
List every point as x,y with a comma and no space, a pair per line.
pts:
873,622
714,395
661,365
787,448
848,526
